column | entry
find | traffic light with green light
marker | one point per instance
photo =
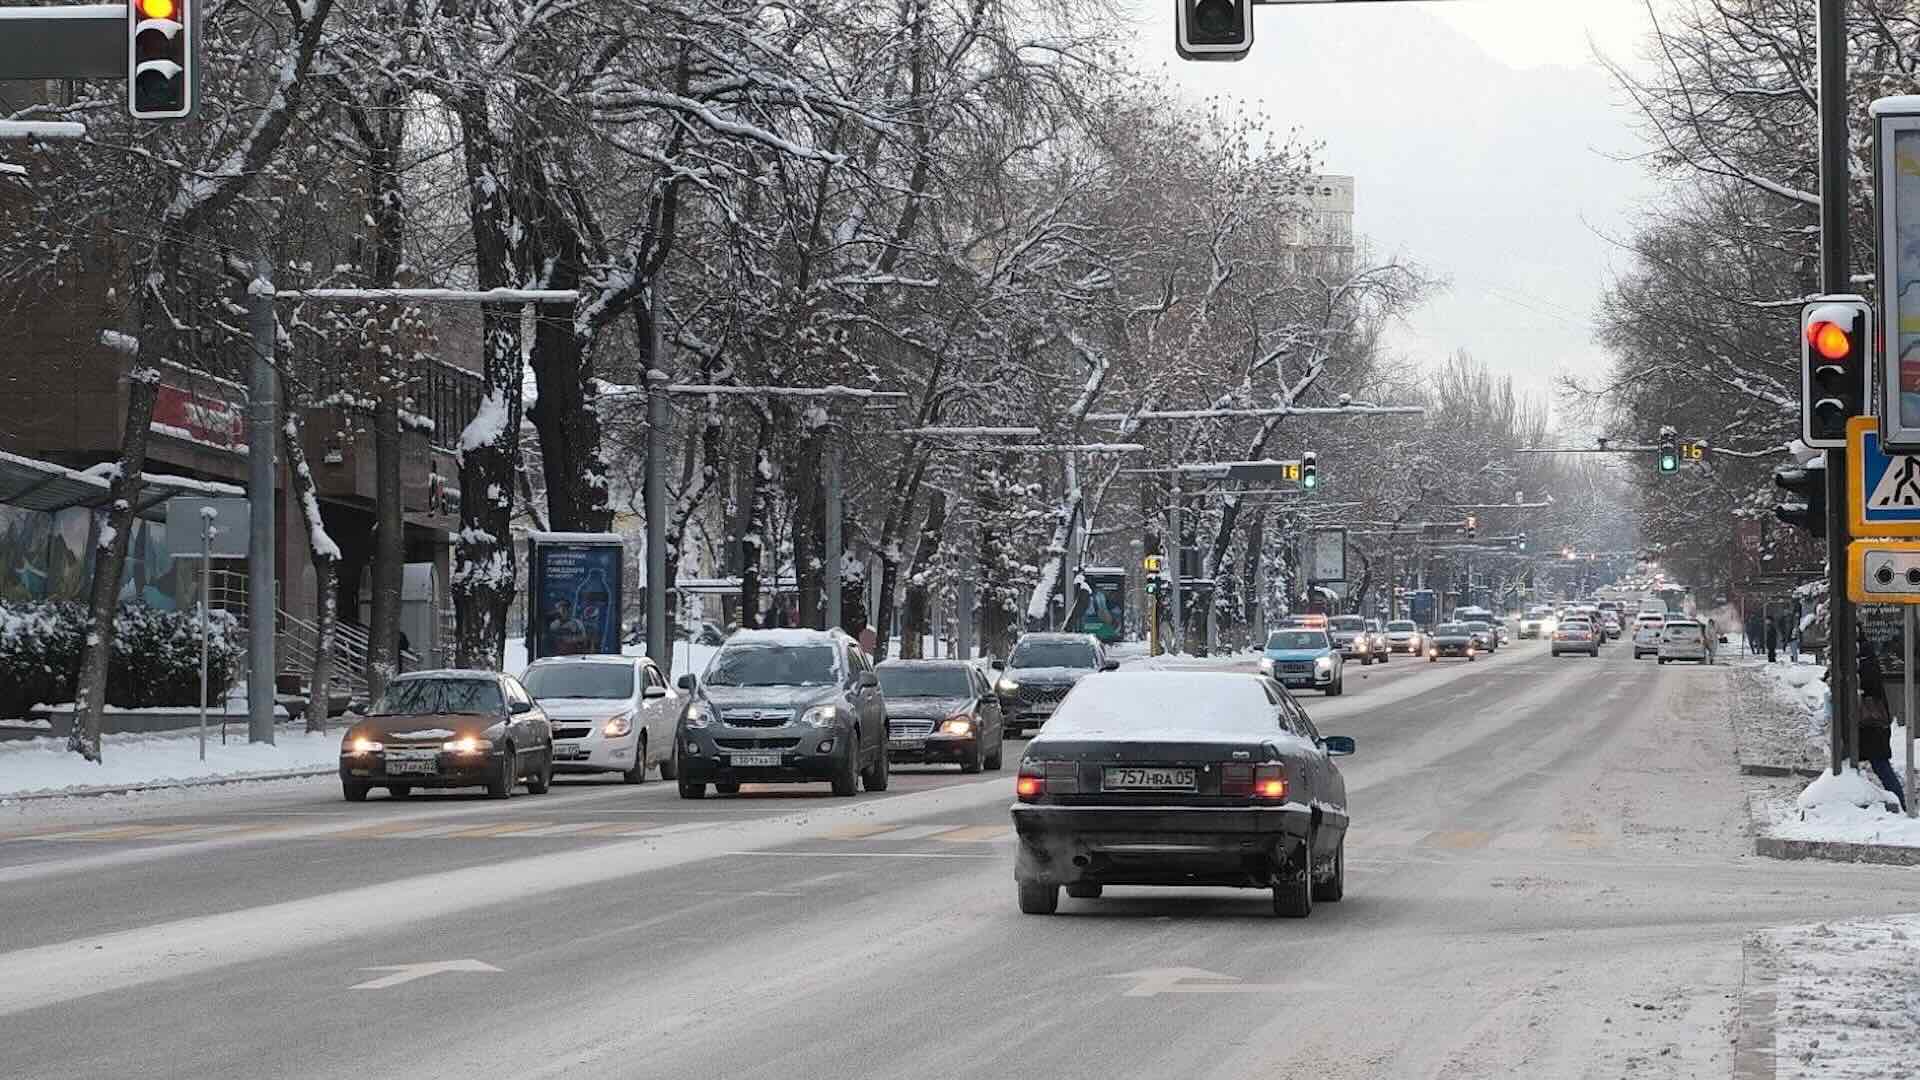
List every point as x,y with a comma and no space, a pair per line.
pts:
1309,471
1669,454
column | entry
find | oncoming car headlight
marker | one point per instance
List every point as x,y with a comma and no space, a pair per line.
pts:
1008,686
1324,663
957,725
467,744
619,724
698,715
1266,665
360,744
820,716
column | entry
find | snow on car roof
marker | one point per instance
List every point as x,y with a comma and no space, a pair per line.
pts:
1192,706
450,673
787,637
587,658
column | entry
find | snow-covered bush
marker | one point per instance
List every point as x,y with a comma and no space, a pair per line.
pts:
156,656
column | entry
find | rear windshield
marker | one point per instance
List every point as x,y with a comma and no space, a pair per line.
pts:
772,665
579,680
1297,639
425,697
1396,627
1348,622
943,682
1037,654
1453,628
1140,704
1683,630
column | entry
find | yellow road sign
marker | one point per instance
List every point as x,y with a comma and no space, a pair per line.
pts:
1883,571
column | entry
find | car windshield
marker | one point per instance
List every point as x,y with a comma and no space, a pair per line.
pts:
1145,704
1039,654
942,682
1479,627
1297,639
1453,629
1399,627
772,665
578,680
425,697
1348,622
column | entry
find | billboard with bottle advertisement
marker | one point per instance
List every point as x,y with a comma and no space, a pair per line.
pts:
574,593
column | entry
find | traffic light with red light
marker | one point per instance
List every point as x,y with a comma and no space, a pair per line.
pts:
1213,29
1836,345
161,58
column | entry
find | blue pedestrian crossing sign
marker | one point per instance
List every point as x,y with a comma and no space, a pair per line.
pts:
1883,490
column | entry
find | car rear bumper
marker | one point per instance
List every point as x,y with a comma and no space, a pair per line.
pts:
1158,845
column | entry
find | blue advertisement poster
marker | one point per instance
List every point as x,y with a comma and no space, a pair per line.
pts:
576,597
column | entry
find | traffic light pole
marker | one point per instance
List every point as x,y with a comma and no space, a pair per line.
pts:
1835,277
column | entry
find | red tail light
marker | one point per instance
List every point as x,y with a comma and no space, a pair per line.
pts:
1270,783
1031,785
1236,779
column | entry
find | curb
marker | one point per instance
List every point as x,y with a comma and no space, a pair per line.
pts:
1836,851
1780,770
130,789
1753,1053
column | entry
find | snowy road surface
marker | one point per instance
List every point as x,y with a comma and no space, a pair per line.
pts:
1550,876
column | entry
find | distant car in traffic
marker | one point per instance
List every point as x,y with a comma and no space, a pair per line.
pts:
1646,633
1577,635
1349,633
1182,779
1305,658
609,714
446,729
1377,646
1538,622
1484,636
1610,625
784,706
942,711
1684,639
1451,639
1040,671
1404,636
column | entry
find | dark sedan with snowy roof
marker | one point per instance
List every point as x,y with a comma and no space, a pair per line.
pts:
441,729
1181,778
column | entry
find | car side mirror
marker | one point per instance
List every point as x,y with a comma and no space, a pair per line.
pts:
1338,745
521,707
653,693
1109,665
689,681
867,680
1723,639
357,708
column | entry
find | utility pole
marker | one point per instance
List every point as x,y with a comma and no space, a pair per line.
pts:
1178,551
834,553
262,419
659,644
1835,278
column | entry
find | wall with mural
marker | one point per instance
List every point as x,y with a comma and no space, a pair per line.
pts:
50,557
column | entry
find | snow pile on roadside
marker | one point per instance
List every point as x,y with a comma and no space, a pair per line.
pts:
1800,684
1849,790
1850,808
1846,998
46,765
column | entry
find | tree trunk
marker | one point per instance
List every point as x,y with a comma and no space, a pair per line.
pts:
389,539
326,560
567,419
918,621
758,518
803,479
109,558
996,595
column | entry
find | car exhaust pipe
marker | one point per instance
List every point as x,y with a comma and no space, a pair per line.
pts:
1082,861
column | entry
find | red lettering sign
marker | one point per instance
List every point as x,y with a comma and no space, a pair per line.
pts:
186,415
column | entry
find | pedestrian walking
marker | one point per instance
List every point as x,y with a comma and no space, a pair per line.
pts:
1753,634
1876,722
1773,641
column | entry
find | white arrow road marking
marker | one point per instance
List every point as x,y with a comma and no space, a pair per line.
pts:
1155,981
406,973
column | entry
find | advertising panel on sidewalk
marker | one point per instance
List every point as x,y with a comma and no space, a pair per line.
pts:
1326,556
574,596
1896,126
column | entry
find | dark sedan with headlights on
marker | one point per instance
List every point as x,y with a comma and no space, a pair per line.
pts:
1181,778
446,729
941,712
1452,639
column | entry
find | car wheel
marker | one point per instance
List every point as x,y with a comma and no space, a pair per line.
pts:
540,781
1366,661
638,774
875,779
501,785
692,790
1037,898
1384,657
846,781
975,760
993,760
1334,887
354,790
670,767
1293,893
1661,659
1433,659
1471,658
729,787
1085,890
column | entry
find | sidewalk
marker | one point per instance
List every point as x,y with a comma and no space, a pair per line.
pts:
43,767
1845,1000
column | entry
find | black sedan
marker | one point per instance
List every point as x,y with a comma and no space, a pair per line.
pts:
1452,639
1181,778
941,711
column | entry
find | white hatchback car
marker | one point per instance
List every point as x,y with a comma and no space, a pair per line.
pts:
1684,639
1646,634
609,714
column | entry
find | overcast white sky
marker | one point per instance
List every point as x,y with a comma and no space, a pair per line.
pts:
1484,141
